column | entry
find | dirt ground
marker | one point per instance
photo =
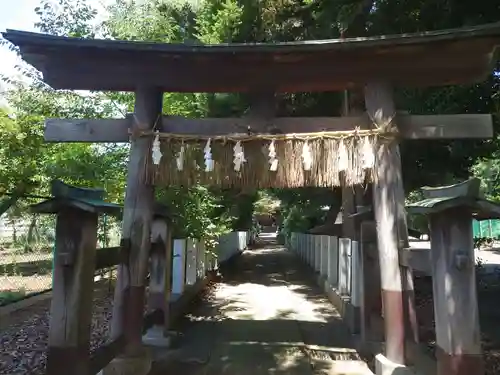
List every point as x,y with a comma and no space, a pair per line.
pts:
24,342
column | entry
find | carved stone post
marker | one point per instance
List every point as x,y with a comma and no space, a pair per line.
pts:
160,279
179,267
368,271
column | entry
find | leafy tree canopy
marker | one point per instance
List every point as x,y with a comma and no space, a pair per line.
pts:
28,163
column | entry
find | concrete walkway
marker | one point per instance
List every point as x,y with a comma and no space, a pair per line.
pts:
266,316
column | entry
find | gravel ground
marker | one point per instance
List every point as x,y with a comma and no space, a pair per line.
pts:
24,343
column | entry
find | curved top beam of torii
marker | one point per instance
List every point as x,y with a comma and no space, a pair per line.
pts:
454,56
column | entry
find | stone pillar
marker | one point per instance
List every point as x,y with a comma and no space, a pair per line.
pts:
200,259
356,276
179,267
191,251
305,242
333,261
458,336
344,266
159,283
312,251
303,245
291,243
317,253
300,246
324,256
208,262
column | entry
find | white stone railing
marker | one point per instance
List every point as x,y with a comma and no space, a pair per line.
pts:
231,244
336,260
191,262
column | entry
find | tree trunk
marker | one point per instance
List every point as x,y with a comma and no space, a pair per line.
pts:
14,231
31,231
9,202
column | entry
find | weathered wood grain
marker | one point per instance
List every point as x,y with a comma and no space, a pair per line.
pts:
474,126
136,229
371,303
71,307
380,106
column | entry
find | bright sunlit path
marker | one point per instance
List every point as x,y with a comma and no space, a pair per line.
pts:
265,316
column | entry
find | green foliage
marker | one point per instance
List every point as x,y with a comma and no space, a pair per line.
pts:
154,20
266,203
488,170
200,212
303,209
27,163
245,207
66,17
196,213
218,21
298,219
40,235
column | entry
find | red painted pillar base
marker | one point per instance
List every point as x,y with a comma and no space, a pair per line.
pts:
459,364
394,327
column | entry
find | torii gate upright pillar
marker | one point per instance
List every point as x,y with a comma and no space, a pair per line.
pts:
388,201
128,309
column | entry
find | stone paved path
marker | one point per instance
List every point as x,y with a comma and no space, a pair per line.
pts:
266,316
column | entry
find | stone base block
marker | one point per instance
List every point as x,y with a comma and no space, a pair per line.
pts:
383,366
350,314
155,337
140,365
349,368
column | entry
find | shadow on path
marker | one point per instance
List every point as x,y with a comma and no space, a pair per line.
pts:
265,316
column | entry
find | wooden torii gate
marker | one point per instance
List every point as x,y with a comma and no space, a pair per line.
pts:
459,56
